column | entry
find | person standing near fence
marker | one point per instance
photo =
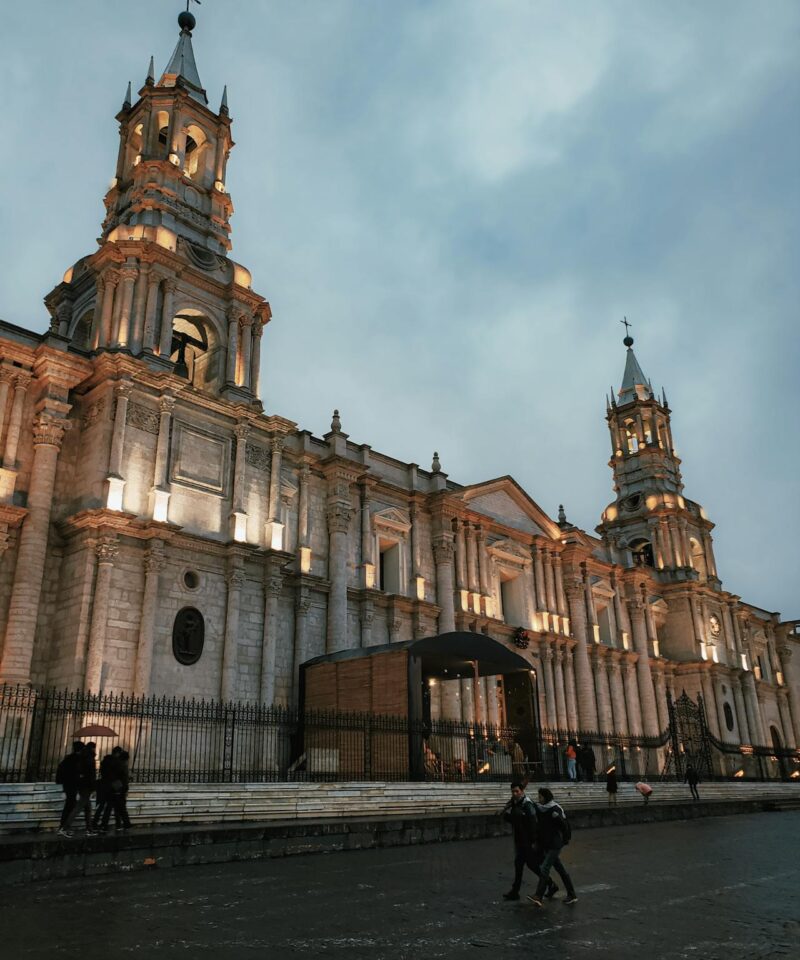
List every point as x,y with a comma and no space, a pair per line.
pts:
521,814
611,786
552,834
571,753
87,783
692,778
68,776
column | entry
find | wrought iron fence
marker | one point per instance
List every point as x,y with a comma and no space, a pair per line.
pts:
206,741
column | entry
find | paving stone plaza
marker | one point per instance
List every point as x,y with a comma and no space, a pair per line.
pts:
723,888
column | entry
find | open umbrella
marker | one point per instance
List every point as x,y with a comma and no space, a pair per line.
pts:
95,730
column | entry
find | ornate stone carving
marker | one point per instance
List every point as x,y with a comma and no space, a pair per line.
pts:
302,604
274,585
166,404
276,444
235,580
93,412
155,558
443,548
49,430
142,418
241,430
106,549
258,457
339,517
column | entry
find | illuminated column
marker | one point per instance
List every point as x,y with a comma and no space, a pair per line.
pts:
239,513
569,688
137,314
418,589
784,654
617,696
646,695
712,717
652,632
128,275
273,588
106,550
708,550
230,649
753,709
591,612
116,482
604,716
23,609
154,563
167,315
274,527
550,584
6,378
558,683
21,384
160,493
472,567
633,707
655,541
538,566
467,700
110,280
789,738
255,361
304,550
233,346
587,706
151,306
685,548
483,571
492,705
697,620
561,600
339,514
676,542
367,562
246,326
619,612
666,543
741,711
94,333
549,687
461,563
443,550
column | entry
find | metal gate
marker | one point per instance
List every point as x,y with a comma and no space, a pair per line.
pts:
689,737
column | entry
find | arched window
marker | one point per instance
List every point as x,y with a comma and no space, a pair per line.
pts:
195,350
726,709
195,152
188,635
642,551
81,335
631,438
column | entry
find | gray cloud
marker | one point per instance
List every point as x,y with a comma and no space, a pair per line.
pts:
450,205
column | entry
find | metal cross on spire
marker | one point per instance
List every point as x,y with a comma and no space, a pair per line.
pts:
191,1
624,321
628,341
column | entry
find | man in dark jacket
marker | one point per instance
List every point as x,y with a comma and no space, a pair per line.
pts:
521,814
68,777
111,790
551,829
87,783
588,763
692,778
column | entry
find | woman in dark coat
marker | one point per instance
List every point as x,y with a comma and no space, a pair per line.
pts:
611,786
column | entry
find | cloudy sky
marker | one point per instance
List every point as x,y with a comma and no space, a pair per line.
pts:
450,204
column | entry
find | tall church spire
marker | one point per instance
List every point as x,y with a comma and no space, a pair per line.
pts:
182,68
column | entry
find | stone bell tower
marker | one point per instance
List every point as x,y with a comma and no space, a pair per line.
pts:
650,523
162,286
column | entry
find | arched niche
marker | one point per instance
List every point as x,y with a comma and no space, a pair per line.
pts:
642,552
197,155
197,350
698,558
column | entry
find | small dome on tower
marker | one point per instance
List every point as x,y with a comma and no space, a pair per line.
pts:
186,21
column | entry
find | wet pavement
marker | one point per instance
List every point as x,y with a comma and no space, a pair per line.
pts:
725,887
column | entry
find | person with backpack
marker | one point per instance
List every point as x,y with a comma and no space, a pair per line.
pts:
521,814
553,833
68,778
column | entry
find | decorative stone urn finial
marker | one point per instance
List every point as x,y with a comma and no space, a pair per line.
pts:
436,466
336,423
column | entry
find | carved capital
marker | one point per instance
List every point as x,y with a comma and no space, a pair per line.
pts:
235,580
106,549
170,284
128,273
276,444
274,585
242,430
303,604
245,321
49,430
339,517
22,381
123,389
443,548
258,327
574,587
109,279
155,558
7,374
166,404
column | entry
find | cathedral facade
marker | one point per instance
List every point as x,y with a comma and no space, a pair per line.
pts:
161,534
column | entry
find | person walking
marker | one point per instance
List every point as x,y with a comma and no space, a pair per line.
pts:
692,778
552,834
87,783
571,753
116,779
68,777
611,786
521,814
587,762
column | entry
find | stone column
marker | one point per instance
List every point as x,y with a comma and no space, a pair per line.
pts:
418,589
339,516
708,550
666,543
110,280
753,709
367,561
106,550
729,736
646,696
484,580
655,541
154,563
461,563
467,700
472,568
619,613
549,687
591,612
160,493
569,688
273,586
115,479
122,336
255,360
6,378
230,650
561,600
792,693
246,325
239,513
685,548
304,550
676,543
550,584
443,550
634,709
587,706
789,739
741,712
23,609
151,305
94,333
274,529
21,384
541,590
712,716
558,682
301,651
138,312
604,715
661,699
233,346
167,316
618,697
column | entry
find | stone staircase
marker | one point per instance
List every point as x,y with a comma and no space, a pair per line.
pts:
37,806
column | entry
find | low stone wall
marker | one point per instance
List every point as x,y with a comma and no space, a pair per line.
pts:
25,858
